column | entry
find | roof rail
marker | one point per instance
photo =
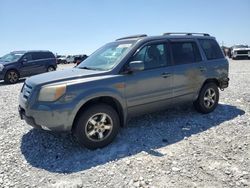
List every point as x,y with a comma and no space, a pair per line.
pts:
132,36
180,33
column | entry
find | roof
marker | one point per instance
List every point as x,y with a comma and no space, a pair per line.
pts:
171,35
25,51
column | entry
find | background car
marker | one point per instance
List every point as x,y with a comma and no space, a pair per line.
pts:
25,63
70,59
242,51
61,59
80,58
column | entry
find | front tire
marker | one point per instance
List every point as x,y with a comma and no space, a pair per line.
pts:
11,77
97,126
208,98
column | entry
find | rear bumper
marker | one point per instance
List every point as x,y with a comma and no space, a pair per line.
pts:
223,83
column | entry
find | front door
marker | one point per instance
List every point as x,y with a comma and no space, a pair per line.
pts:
28,67
150,89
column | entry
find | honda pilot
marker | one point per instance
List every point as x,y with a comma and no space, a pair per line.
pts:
20,64
128,77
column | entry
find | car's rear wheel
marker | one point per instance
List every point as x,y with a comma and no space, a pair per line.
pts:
50,69
208,98
97,126
11,77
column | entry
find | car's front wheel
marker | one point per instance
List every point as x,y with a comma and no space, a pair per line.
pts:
11,77
97,126
208,98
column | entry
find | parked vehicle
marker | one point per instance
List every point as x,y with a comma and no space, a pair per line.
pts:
129,77
240,51
80,58
61,59
70,59
20,64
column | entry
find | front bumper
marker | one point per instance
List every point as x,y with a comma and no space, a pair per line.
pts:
241,55
28,120
1,75
52,117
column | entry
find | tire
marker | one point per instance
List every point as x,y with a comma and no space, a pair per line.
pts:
11,77
50,69
93,132
208,98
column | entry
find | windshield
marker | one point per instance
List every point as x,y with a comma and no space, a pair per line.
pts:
107,57
11,57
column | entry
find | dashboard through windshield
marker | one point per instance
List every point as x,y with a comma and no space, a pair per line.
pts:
107,56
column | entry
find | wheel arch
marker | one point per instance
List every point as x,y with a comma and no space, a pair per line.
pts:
209,80
51,66
12,69
111,101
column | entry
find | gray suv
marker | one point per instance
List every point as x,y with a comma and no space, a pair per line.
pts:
125,78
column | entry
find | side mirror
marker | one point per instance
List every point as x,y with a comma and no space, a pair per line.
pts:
24,60
135,66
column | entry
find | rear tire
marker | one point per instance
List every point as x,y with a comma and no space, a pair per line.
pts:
97,126
11,77
208,98
50,69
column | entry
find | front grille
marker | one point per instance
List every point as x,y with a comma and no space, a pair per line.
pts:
242,52
26,90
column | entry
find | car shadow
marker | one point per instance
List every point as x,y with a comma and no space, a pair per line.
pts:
61,154
21,80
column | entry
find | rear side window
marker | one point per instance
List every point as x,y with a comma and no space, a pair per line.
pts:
42,55
185,52
211,49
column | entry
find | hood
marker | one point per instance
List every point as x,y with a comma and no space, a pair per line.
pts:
7,62
62,75
235,49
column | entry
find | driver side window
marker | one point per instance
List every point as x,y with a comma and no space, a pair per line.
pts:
153,56
28,57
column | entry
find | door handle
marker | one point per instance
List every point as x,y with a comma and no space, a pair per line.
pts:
202,69
166,75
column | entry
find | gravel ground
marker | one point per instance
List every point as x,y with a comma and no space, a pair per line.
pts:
174,148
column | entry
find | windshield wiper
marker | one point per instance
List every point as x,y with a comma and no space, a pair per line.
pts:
88,68
91,68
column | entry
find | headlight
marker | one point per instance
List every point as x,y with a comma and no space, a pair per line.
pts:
51,93
1,67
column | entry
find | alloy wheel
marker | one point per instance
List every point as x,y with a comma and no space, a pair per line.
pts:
12,77
209,98
99,127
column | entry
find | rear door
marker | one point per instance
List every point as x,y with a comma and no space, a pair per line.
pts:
40,61
189,72
150,89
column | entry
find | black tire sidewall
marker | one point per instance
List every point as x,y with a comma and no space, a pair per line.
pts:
199,104
79,128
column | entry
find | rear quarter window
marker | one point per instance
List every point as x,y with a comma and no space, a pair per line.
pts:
211,49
